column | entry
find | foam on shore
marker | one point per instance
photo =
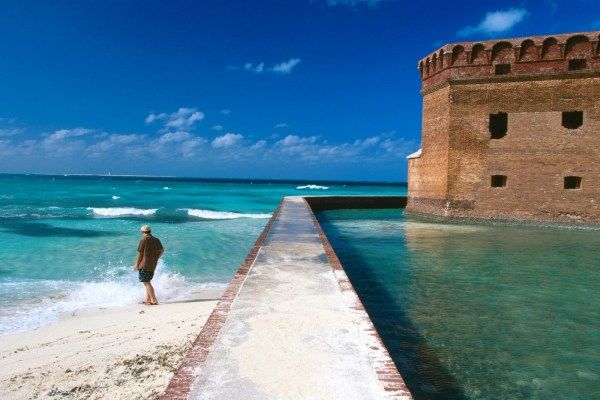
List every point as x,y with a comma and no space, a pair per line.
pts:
43,302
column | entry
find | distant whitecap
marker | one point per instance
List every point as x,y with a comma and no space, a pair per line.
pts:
121,211
312,187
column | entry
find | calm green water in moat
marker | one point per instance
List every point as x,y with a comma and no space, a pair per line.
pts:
68,242
477,311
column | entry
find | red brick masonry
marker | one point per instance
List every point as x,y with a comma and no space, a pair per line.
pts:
500,109
180,385
540,55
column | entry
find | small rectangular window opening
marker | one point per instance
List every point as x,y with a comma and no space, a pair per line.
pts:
498,180
498,125
502,69
572,182
577,64
572,119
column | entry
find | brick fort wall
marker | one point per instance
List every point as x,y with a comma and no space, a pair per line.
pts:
535,154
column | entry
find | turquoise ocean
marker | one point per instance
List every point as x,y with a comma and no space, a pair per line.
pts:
68,242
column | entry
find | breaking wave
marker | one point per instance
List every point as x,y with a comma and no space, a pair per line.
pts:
209,214
121,211
43,302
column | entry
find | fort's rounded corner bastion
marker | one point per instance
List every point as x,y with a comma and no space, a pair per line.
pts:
511,130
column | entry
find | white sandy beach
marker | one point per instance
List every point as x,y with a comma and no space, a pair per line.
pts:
125,353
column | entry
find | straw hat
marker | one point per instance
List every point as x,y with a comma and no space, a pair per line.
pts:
145,229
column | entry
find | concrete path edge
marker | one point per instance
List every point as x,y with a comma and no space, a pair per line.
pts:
181,383
384,366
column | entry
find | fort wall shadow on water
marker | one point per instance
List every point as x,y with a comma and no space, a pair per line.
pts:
422,371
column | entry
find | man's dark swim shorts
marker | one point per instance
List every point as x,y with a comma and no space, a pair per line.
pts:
145,276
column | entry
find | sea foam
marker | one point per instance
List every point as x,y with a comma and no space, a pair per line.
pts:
209,214
313,187
48,300
116,197
121,211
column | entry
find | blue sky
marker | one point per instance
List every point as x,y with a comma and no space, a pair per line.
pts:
307,89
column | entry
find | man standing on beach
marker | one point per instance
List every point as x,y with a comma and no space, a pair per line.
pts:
149,251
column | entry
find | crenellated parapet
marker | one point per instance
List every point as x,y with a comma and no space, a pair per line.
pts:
565,53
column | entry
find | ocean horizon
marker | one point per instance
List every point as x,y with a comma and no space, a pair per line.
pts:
175,178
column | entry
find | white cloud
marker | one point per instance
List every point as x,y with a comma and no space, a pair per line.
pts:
284,67
167,146
354,3
225,111
64,142
261,144
181,147
368,142
281,125
294,140
216,128
61,143
25,149
184,118
63,134
178,136
227,140
259,68
114,142
190,147
495,22
312,149
5,132
125,139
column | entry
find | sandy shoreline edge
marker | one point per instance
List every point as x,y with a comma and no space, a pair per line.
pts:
121,353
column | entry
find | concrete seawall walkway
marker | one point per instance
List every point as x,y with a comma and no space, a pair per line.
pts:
295,329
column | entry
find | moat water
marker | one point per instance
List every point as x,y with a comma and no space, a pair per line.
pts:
476,311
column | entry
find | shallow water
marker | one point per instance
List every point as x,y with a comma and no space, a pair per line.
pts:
68,242
476,311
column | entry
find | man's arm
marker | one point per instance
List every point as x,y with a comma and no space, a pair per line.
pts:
140,254
162,249
138,260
